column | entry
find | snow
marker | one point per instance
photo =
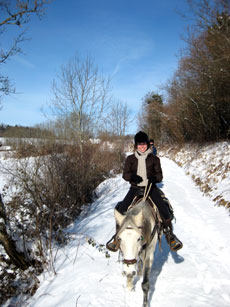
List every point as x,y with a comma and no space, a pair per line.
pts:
209,165
197,275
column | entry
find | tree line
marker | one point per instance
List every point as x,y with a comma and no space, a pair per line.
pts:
197,106
18,131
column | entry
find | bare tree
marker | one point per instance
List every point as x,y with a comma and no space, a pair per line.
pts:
118,118
15,13
151,116
81,96
199,91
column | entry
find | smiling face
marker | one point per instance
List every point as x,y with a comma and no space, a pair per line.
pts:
142,147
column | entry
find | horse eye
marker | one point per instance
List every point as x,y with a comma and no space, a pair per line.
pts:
141,238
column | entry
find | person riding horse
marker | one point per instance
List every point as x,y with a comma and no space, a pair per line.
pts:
142,169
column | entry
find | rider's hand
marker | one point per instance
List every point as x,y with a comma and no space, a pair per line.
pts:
152,179
136,179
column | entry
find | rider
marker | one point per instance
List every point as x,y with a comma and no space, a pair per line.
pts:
152,146
141,169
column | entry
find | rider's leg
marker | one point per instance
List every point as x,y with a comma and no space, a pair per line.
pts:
167,204
159,199
174,243
124,205
114,245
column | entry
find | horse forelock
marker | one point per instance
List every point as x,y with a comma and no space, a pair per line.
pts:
129,223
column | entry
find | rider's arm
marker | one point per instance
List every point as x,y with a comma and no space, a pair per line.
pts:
157,169
128,171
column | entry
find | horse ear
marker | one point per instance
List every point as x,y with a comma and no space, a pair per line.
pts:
119,217
138,218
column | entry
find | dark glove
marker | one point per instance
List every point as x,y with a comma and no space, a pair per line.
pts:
152,179
136,179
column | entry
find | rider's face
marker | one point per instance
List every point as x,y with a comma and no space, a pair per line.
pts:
142,147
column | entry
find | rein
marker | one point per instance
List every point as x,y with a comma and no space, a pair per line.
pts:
146,192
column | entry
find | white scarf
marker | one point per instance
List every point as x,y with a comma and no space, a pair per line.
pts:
141,166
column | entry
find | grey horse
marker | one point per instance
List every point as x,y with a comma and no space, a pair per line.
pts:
139,231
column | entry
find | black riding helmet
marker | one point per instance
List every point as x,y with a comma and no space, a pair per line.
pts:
141,137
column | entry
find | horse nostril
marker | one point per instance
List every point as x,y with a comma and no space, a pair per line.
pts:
134,273
123,273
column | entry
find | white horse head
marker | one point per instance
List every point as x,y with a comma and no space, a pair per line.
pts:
131,240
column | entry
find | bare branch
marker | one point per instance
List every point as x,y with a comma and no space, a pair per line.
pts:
19,12
16,12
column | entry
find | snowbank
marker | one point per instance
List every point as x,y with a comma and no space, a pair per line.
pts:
208,166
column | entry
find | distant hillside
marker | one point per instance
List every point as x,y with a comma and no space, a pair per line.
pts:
23,132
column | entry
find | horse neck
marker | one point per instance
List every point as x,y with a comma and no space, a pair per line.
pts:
148,220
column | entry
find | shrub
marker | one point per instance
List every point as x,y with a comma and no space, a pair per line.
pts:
49,192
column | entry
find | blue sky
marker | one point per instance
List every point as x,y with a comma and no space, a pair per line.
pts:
135,42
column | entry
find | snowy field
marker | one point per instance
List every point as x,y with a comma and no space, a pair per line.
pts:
196,276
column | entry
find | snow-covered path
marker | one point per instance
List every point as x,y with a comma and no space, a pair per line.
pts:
196,276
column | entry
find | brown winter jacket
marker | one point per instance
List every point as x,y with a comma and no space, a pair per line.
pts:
153,167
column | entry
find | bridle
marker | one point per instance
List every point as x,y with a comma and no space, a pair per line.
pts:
128,262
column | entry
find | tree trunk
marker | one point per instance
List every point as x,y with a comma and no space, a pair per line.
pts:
9,245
